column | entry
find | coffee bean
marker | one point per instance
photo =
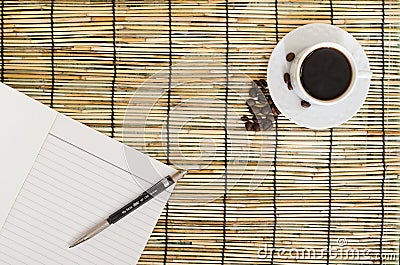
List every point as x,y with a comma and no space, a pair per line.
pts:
263,83
266,124
256,127
253,92
289,86
244,118
286,77
290,56
262,91
257,118
255,109
266,110
257,83
275,111
249,126
250,102
261,98
305,104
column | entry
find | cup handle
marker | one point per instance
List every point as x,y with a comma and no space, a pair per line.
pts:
364,74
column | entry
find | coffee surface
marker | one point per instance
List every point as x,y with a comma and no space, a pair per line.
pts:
326,73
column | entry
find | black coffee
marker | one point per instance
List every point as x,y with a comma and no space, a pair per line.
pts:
325,73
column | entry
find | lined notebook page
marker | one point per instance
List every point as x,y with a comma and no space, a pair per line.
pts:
68,191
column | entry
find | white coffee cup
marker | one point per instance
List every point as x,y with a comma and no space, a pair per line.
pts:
295,73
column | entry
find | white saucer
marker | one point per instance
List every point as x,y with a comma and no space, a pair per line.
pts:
287,101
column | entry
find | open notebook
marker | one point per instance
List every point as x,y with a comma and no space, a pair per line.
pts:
59,178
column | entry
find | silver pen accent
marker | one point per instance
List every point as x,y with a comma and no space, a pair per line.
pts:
91,233
178,175
153,191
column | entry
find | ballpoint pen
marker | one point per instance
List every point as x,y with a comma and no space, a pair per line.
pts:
146,196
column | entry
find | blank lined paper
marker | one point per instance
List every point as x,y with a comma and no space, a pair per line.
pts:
69,190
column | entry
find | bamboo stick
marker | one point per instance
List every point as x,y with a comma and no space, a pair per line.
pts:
83,76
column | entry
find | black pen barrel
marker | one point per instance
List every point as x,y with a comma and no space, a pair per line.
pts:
141,199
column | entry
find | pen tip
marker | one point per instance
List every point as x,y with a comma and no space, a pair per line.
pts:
74,244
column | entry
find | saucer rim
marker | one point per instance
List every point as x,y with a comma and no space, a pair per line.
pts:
358,97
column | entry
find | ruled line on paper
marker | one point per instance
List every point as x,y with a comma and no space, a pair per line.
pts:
67,191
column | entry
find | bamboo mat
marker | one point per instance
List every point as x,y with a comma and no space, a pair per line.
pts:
334,190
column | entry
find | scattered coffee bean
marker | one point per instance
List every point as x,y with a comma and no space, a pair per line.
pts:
245,118
263,83
262,91
257,118
275,111
250,102
286,78
289,86
255,109
305,104
261,98
266,110
290,56
266,124
261,115
253,92
249,126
